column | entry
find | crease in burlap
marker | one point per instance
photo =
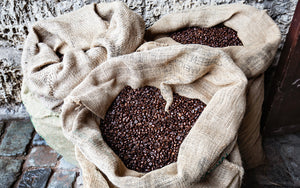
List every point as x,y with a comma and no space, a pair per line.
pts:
60,52
260,37
186,70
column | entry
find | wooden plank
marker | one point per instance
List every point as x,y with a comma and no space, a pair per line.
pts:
282,107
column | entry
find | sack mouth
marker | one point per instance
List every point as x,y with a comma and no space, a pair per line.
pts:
217,36
81,112
256,30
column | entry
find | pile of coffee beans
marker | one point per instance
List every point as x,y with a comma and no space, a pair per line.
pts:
137,127
217,36
142,133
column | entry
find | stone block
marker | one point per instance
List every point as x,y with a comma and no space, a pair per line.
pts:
65,165
41,156
273,174
79,182
282,167
38,140
2,127
11,76
9,171
16,139
288,152
63,179
35,178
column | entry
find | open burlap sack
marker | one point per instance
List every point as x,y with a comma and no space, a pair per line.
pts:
260,37
192,71
60,52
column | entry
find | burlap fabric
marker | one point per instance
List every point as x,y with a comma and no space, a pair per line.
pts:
85,38
60,52
185,70
209,156
260,37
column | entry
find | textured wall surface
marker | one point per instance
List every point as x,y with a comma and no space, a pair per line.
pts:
17,16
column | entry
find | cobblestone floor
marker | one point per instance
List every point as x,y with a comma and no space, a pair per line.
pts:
27,161
282,168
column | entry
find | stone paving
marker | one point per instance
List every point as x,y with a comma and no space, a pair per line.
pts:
27,161
282,168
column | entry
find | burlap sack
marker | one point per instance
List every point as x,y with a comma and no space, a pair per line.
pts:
60,52
260,37
192,71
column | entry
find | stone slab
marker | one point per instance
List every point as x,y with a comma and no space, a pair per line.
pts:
41,156
282,166
288,152
63,179
1,128
38,140
79,182
65,165
35,178
16,139
9,171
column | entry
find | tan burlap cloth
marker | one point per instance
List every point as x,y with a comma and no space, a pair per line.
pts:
86,38
98,44
260,37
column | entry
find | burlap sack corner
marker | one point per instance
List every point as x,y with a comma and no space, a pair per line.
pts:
194,71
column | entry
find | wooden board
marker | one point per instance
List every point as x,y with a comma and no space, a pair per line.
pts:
282,107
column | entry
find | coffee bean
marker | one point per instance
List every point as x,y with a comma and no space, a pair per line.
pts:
217,36
141,133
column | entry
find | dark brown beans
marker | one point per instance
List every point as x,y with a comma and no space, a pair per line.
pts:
217,36
141,133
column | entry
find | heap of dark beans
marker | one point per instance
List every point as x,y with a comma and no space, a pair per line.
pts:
142,133
217,36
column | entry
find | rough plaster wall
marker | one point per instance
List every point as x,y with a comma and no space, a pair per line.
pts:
17,16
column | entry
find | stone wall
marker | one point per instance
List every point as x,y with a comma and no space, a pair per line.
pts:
17,16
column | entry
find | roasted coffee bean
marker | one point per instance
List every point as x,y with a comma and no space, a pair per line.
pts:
142,133
217,36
